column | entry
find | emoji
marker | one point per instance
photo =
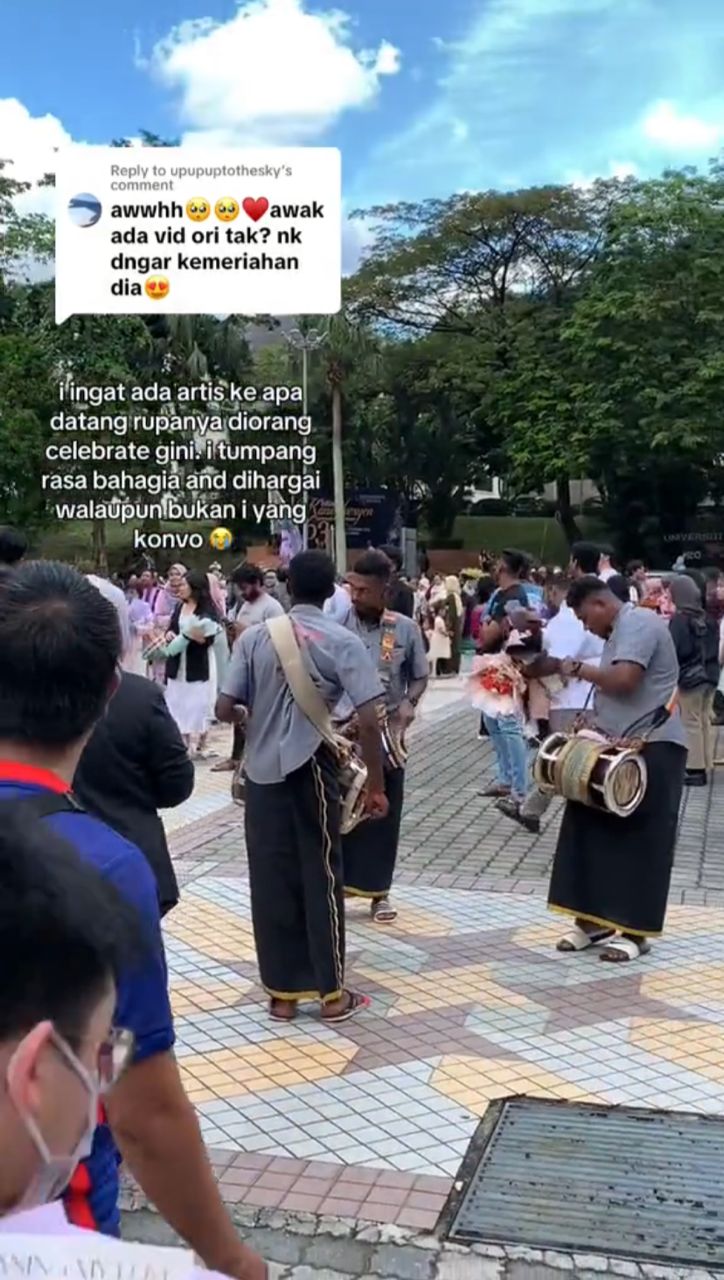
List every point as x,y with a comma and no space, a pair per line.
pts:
255,208
198,209
227,209
220,539
157,287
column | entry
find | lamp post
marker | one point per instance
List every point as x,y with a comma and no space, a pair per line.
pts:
305,342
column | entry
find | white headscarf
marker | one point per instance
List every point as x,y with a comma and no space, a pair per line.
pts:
115,596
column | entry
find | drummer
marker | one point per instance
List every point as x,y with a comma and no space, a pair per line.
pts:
612,874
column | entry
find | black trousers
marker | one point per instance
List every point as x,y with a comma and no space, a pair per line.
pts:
370,850
295,872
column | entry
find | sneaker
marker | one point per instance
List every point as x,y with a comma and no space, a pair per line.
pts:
494,791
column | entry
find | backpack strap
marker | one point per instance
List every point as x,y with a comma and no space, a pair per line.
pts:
45,804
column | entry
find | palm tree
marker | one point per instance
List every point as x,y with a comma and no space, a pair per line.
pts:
347,346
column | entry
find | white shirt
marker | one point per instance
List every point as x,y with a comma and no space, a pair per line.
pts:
605,574
566,637
338,605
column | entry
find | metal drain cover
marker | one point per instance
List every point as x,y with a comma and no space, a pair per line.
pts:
616,1181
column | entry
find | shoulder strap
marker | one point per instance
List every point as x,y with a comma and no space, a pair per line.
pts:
302,687
44,804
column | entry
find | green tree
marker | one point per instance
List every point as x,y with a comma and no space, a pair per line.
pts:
647,338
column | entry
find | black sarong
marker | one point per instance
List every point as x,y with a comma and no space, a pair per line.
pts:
369,852
295,875
615,872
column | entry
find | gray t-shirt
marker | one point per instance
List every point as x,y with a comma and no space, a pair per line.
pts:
641,636
408,661
280,738
252,611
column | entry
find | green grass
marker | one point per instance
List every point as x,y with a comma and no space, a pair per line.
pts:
72,543
539,535
542,536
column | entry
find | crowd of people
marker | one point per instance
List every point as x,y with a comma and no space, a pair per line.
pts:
107,692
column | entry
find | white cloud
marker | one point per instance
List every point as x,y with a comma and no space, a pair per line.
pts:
615,169
669,127
272,74
30,143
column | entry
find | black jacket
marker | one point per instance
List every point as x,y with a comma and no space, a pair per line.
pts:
696,640
135,764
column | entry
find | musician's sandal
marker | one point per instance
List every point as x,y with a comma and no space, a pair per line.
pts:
580,939
282,1010
624,949
382,911
352,1003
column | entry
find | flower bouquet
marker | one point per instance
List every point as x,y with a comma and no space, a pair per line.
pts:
496,685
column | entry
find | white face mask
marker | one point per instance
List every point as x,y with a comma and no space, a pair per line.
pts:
56,1171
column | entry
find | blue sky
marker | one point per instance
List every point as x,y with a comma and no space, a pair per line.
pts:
424,97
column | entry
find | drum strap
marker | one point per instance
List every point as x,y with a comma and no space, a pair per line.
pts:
388,635
301,685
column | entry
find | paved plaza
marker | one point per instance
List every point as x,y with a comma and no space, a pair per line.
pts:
369,1121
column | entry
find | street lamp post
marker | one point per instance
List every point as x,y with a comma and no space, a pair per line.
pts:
305,342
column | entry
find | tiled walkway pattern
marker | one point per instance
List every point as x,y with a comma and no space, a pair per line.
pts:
470,1001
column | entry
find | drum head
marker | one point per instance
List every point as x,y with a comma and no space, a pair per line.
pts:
625,786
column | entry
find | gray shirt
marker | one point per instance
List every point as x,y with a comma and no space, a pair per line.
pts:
280,738
641,636
252,611
408,661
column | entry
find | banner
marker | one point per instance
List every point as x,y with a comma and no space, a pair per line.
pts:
371,519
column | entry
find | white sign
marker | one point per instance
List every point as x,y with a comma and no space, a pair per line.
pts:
181,231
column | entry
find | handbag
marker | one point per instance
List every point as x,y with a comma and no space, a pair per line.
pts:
352,772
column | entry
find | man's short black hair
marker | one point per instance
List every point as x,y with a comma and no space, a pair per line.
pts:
246,574
393,554
620,587
586,555
583,588
13,545
311,577
559,580
60,642
65,932
373,564
516,562
634,566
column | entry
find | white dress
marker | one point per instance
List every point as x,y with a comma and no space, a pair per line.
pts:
440,647
190,702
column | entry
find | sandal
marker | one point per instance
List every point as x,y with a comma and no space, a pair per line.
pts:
579,940
495,791
382,911
622,950
276,1016
356,1004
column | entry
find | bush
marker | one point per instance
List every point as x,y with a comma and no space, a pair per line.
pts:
531,505
491,507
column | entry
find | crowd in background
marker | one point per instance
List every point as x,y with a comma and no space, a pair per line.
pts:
184,624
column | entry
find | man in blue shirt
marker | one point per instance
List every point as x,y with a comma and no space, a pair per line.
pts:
60,647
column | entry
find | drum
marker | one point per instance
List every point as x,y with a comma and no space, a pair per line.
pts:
393,742
352,784
591,771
